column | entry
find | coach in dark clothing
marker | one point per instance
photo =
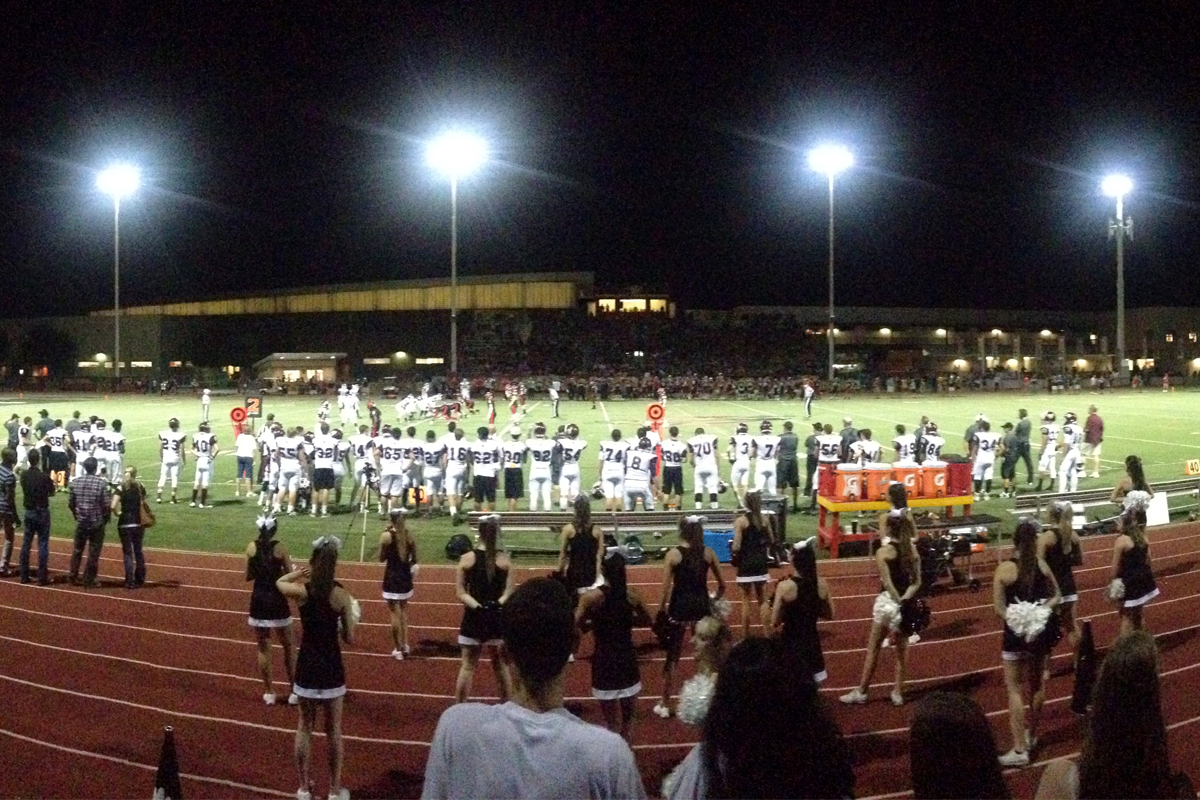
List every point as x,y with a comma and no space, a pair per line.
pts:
788,471
91,503
36,487
1024,426
12,426
849,436
810,458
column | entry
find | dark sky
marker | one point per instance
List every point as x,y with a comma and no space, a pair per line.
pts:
281,145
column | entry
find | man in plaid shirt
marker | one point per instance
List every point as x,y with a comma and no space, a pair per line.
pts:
91,503
8,506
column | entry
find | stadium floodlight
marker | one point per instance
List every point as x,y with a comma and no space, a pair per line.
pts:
118,181
830,160
455,154
1117,186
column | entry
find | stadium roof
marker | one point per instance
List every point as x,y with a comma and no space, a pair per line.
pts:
299,357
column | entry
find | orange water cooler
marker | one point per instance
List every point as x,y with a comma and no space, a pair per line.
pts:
933,479
849,487
876,480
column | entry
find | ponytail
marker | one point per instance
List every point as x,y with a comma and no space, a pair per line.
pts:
1061,515
902,531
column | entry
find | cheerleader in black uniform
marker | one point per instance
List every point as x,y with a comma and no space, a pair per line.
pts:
266,562
398,550
611,612
799,602
326,609
483,581
581,548
1131,565
1061,549
751,539
685,598
1024,579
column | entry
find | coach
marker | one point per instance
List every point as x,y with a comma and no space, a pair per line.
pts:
1024,426
1093,435
91,503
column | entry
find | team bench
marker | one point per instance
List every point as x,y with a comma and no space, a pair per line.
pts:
614,522
1032,504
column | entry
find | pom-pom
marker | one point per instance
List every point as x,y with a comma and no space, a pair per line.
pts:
1135,500
1027,620
334,541
694,698
355,611
415,569
1116,590
722,608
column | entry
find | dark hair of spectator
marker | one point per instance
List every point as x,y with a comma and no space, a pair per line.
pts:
1125,750
1133,525
788,747
949,722
323,562
539,631
1137,476
583,515
897,495
90,464
9,457
33,457
617,597
1025,542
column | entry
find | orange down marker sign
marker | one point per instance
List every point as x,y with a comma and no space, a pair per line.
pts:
1192,467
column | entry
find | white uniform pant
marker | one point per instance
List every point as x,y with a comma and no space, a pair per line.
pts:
1048,463
169,470
707,480
456,481
611,483
339,475
633,491
982,470
1069,471
740,476
764,476
568,484
289,477
539,487
115,469
433,484
204,469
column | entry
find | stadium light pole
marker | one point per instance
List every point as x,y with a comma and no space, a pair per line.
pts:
117,182
455,155
830,160
1118,186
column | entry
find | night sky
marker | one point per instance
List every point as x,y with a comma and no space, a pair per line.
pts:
282,145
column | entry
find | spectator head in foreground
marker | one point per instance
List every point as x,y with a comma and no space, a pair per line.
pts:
539,634
788,747
952,723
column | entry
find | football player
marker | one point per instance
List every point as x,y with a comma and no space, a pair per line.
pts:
702,453
765,449
324,456
984,444
485,458
433,460
1048,457
59,442
541,452
205,449
674,453
361,450
572,448
205,402
739,455
612,469
932,443
170,448
639,466
393,459
905,445
110,445
866,450
458,459
1072,464
514,461
291,458
81,445
341,464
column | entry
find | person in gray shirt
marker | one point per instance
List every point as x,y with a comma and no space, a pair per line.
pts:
1024,426
12,426
73,424
849,436
530,746
788,470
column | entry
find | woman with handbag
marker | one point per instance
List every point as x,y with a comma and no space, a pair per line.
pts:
1133,582
751,540
133,517
900,575
685,599
1062,551
1024,595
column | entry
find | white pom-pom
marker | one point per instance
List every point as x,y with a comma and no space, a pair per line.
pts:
415,569
694,698
1116,590
355,610
1136,499
1027,620
722,608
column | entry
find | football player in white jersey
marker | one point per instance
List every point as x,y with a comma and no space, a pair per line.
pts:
111,445
362,452
81,443
866,450
905,445
170,447
984,444
765,449
612,470
572,452
541,452
932,442
1048,458
324,455
514,461
25,443
342,396
341,465
458,459
412,455
291,460
638,481
829,455
59,442
204,448
674,454
739,455
485,460
702,453
1072,464
433,460
393,459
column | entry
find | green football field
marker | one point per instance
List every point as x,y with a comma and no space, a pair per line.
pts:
1162,428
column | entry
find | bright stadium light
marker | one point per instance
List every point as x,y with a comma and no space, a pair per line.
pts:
1117,186
455,154
829,160
118,181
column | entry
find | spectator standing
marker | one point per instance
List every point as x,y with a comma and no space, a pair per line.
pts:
91,503
36,488
811,459
530,746
127,501
8,506
1093,435
1022,432
951,722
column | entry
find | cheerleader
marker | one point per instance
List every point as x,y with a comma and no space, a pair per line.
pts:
611,611
751,540
1133,582
483,582
398,550
712,640
900,573
685,598
1024,595
1132,489
266,562
799,602
582,548
327,611
1061,549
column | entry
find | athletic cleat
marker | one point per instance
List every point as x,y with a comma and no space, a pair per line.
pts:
192,504
856,697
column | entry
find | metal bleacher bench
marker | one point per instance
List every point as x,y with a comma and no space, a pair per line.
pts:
1027,504
614,522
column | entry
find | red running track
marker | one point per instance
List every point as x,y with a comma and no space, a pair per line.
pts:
90,678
